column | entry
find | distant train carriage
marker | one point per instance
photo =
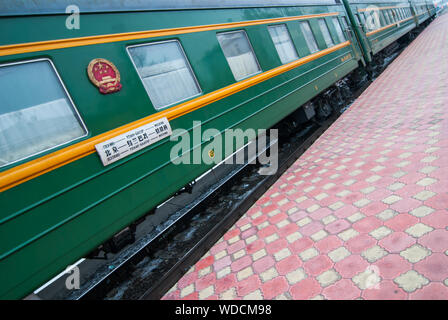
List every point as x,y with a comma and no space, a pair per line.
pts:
381,23
72,97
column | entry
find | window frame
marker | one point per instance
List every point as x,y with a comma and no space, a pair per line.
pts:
73,106
290,39
187,63
251,48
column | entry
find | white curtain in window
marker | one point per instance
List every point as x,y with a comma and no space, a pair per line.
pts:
239,54
326,33
165,73
169,82
35,111
309,37
339,31
283,44
31,130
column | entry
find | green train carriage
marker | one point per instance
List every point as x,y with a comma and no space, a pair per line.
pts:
234,64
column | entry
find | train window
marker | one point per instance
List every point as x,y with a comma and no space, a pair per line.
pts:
309,37
391,15
326,33
165,72
362,17
239,54
338,28
344,23
387,16
283,43
382,18
36,112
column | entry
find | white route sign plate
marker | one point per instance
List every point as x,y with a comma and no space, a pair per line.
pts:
130,142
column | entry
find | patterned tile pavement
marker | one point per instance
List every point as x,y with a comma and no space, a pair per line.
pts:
363,213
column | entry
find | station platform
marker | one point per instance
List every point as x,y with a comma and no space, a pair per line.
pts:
363,214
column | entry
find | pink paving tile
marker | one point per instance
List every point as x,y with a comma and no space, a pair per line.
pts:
287,230
288,265
386,290
236,246
278,217
337,226
301,244
351,266
248,285
274,287
438,202
225,283
360,243
231,233
204,263
434,267
367,224
263,264
218,247
298,216
276,246
392,265
401,222
205,281
321,213
175,295
305,289
248,233
379,194
433,291
266,232
188,279
222,263
192,296
317,265
342,290
437,219
346,211
328,244
396,242
255,246
436,240
241,263
311,228
406,205
373,208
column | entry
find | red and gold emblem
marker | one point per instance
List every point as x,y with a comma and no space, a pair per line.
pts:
104,75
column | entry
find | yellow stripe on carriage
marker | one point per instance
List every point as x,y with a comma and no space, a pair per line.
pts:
34,168
115,37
